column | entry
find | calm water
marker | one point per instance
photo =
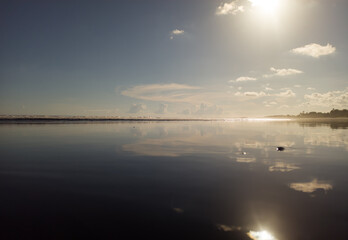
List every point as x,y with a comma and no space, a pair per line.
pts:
174,180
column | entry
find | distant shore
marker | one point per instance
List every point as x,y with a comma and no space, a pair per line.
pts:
33,119
67,119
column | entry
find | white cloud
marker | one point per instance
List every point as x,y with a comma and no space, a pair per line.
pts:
287,93
282,72
251,94
269,89
311,89
309,187
137,108
176,32
243,79
233,7
336,99
314,50
297,86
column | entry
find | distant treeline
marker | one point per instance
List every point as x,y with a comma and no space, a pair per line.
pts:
334,113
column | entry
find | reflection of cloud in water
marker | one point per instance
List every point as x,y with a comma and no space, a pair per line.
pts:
266,145
261,235
282,167
309,187
245,159
328,139
227,228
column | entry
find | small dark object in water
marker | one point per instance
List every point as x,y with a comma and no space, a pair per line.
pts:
279,149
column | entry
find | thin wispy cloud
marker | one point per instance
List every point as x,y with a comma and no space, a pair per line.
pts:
314,50
162,92
176,32
282,72
244,79
178,93
233,7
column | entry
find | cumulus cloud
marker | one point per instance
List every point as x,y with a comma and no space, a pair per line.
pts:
309,187
176,32
251,94
244,79
137,108
161,92
233,7
282,72
314,50
336,99
287,93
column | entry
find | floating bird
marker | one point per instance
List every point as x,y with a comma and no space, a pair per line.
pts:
279,149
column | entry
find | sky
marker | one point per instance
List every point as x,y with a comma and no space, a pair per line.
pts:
184,58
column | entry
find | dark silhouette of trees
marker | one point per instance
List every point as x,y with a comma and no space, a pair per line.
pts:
334,113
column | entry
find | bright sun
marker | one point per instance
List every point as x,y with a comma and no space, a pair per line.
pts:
267,6
262,235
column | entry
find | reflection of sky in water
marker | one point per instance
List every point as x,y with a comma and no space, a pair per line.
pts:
220,179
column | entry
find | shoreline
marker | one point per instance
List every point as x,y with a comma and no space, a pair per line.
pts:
81,119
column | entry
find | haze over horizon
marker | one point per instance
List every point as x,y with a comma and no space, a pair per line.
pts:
189,59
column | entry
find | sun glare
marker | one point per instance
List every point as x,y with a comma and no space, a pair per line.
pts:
262,235
267,6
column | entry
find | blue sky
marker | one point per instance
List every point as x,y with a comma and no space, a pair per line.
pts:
203,58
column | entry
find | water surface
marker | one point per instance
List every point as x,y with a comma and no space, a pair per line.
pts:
174,180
